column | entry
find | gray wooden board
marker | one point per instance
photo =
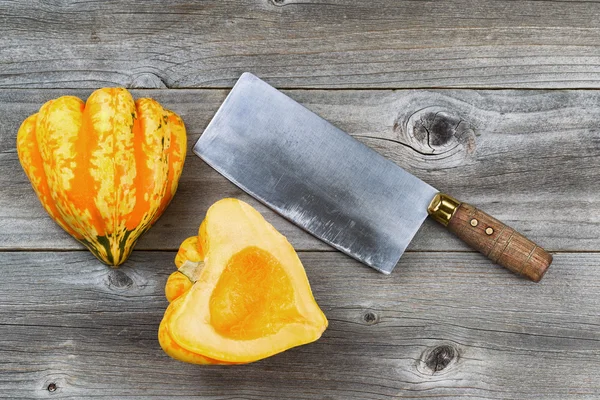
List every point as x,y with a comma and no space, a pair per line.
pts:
300,43
447,323
530,158
90,330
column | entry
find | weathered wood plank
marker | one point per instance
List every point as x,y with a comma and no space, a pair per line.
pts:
90,330
529,158
300,43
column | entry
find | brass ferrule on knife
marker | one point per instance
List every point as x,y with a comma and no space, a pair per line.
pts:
442,208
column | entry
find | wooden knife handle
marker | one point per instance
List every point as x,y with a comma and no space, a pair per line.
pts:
497,241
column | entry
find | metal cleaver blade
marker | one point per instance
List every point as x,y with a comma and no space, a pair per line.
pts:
339,189
314,174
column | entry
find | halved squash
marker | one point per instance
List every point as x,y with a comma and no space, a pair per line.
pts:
251,298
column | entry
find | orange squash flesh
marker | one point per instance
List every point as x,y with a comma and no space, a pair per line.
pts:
104,170
251,298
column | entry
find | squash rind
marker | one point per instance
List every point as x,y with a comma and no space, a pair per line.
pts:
104,170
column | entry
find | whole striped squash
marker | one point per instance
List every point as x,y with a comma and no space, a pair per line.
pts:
104,170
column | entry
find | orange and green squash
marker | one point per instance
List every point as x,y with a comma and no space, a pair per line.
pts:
240,294
104,170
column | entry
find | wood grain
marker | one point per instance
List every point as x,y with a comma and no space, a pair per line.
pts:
529,158
447,323
443,325
300,43
499,242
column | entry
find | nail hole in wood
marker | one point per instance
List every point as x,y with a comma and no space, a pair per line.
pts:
52,387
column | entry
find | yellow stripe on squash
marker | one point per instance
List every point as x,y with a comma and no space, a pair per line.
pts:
251,299
105,170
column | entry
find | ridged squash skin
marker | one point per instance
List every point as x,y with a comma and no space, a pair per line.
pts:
105,170
250,298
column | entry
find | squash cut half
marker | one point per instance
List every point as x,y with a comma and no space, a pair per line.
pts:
250,298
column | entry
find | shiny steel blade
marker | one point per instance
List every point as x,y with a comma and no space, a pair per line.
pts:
314,174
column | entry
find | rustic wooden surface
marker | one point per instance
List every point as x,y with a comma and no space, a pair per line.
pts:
301,43
447,323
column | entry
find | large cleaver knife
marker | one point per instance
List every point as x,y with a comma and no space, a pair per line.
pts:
340,190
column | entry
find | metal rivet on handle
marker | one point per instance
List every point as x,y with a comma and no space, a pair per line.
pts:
474,222
489,231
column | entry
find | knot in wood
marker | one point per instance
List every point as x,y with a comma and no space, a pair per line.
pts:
370,318
440,357
435,130
147,80
119,279
437,359
277,2
52,387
